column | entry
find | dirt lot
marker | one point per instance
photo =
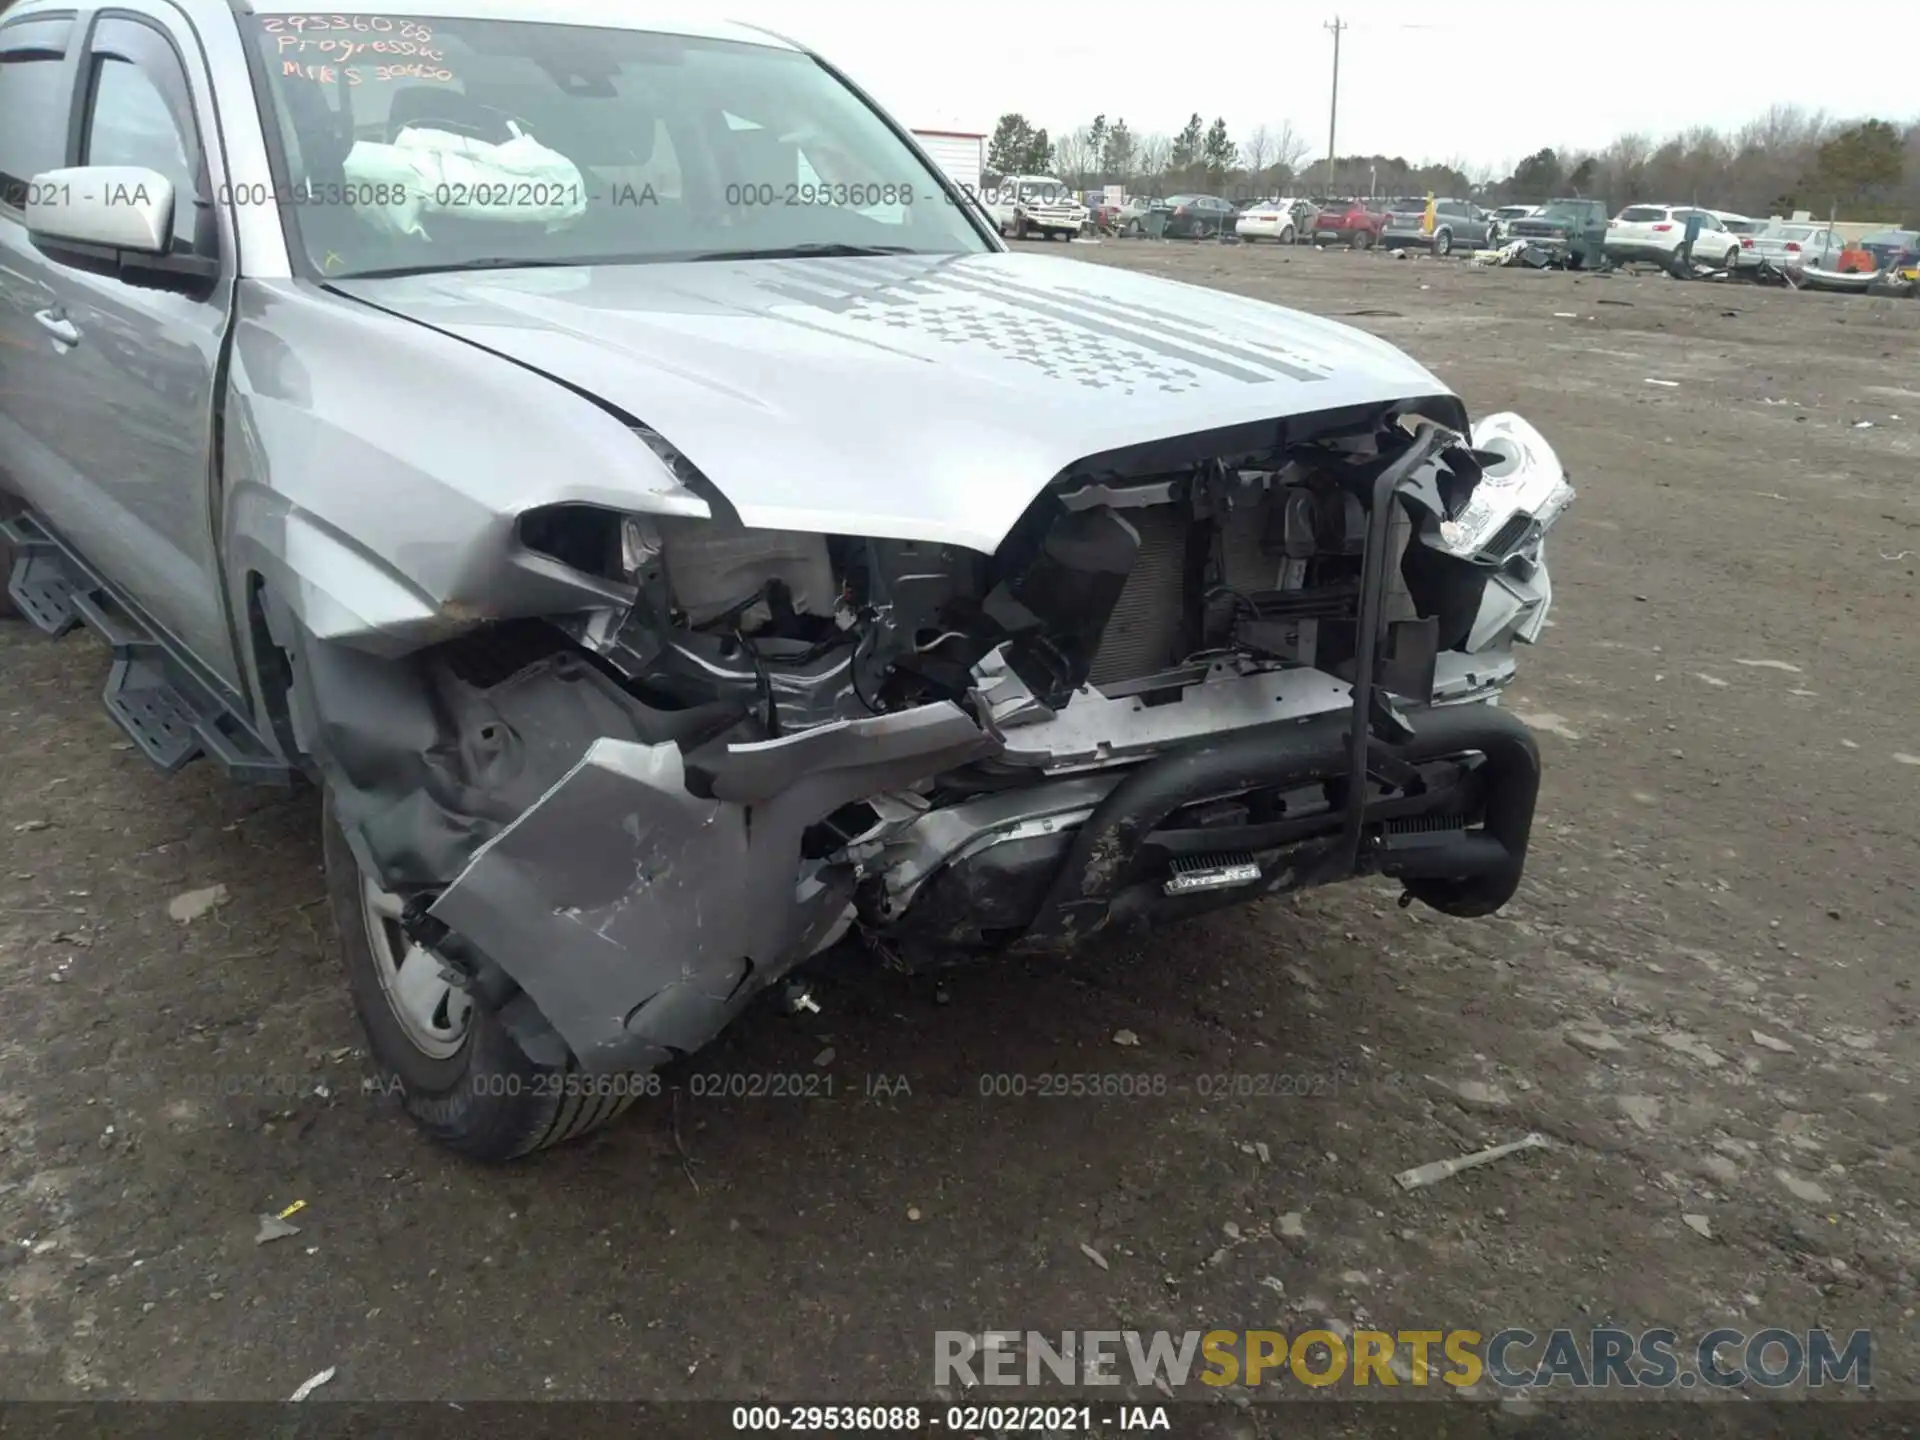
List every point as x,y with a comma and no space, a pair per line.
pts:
1703,996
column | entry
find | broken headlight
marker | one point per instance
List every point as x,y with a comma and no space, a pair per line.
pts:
1521,492
1518,498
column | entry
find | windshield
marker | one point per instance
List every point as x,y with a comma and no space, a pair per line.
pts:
1041,189
417,144
1565,210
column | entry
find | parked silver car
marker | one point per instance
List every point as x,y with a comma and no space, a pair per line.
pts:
1456,224
674,530
1790,245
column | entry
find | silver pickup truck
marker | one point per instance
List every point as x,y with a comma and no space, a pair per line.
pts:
675,534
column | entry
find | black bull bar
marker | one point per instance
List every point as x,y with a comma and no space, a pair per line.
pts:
1423,834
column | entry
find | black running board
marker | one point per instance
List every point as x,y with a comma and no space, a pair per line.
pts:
171,713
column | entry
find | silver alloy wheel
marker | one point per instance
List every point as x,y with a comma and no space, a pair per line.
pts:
433,1012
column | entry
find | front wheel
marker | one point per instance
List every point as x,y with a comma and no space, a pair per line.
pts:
1363,240
9,507
460,1074
7,607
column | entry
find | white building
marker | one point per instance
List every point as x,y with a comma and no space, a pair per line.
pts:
961,153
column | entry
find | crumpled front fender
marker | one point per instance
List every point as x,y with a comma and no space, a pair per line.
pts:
648,896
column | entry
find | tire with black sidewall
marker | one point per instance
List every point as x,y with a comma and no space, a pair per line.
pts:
1363,240
7,609
1287,236
488,1101
1443,242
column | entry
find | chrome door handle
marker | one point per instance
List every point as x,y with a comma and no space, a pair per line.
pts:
58,326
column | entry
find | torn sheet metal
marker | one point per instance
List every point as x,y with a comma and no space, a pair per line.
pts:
641,918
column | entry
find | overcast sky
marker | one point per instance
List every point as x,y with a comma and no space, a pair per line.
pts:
1486,81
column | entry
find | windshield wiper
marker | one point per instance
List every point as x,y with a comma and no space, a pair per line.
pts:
831,250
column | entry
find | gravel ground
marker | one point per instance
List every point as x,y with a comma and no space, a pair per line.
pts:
1703,995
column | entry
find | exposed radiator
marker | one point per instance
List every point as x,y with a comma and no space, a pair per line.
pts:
1144,635
1145,629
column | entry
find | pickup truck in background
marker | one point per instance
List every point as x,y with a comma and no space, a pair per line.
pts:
663,571
1574,231
1037,206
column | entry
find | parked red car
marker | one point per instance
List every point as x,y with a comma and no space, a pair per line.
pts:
1350,223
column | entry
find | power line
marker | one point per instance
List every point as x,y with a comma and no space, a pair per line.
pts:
1333,113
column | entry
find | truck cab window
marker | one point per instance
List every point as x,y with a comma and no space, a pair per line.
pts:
33,104
129,123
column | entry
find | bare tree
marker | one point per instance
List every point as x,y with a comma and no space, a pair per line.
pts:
1073,156
1151,157
1289,148
1255,152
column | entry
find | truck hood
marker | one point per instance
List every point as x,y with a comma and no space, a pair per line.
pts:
914,397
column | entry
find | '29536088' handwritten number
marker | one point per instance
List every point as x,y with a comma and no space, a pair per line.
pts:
355,48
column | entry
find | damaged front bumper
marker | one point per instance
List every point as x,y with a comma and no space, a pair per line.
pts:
640,905
647,897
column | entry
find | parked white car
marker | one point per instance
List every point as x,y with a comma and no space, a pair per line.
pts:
1284,221
1028,206
1656,232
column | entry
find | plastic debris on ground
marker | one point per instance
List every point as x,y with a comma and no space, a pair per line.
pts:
1438,1170
276,1227
1505,255
308,1386
193,904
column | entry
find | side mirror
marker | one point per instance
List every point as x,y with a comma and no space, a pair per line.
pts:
115,215
111,207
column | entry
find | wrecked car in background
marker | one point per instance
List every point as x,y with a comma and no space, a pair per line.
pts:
662,584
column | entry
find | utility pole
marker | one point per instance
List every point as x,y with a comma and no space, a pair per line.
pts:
1333,115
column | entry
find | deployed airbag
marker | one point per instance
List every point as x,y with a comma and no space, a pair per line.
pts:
434,172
